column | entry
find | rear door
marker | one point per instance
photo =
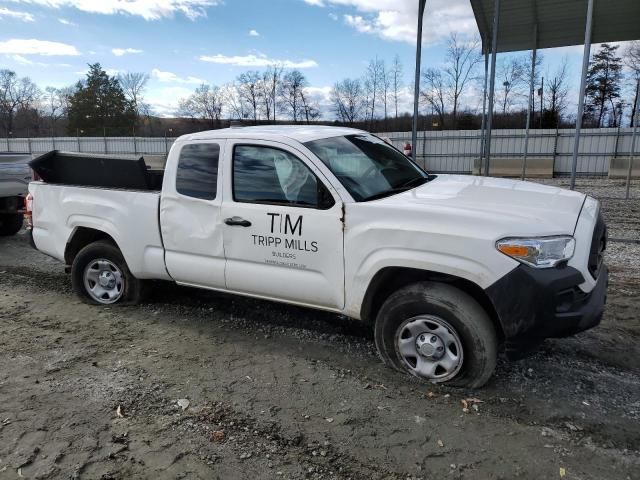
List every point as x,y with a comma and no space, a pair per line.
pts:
283,232
190,215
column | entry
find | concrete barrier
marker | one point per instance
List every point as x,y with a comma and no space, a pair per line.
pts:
155,162
537,167
618,167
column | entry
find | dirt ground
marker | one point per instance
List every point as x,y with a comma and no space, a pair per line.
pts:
215,386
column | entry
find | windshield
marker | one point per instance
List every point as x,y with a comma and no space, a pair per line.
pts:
366,166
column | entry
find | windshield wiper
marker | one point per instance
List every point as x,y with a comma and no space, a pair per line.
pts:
414,182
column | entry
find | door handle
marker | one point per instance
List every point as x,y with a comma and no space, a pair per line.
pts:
237,222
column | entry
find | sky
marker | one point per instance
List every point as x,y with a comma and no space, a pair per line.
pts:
183,43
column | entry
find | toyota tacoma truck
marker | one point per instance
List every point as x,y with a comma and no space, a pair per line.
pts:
15,176
445,268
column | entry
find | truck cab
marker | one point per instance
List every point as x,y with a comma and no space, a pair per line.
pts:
444,268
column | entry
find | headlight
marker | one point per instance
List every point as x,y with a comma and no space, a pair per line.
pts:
543,252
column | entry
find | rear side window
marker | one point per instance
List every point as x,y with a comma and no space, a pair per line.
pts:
197,174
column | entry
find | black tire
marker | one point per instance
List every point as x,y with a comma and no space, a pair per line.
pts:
471,323
10,224
103,249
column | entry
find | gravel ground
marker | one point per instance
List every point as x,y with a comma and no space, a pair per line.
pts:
194,384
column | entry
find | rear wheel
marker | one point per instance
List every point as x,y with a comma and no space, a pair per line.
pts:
99,275
438,333
10,223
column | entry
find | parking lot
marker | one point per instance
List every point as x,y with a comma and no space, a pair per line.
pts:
196,384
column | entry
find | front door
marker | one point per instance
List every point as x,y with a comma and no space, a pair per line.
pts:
190,216
283,233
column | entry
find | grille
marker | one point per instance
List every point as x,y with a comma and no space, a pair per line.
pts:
598,246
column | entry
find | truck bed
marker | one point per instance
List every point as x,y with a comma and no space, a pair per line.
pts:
129,217
90,170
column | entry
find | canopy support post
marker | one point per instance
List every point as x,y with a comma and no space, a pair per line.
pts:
416,88
492,83
483,126
633,140
583,80
529,103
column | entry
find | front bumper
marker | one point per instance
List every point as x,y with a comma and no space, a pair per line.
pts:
534,304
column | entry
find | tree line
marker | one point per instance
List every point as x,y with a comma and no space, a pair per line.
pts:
450,97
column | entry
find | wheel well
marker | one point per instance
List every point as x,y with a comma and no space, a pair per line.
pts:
391,279
82,237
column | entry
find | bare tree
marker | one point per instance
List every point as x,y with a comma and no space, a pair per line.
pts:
270,86
372,82
347,98
434,92
53,105
386,78
206,103
293,84
461,59
133,85
15,94
632,62
396,82
512,73
250,91
557,92
236,107
310,108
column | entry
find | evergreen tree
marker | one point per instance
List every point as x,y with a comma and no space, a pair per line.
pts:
99,102
603,84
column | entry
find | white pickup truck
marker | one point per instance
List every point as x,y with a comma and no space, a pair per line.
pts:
445,268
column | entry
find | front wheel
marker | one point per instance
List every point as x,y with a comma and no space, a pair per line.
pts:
438,333
99,275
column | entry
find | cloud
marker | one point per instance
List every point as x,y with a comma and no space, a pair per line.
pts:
64,21
22,16
253,33
112,72
18,46
396,20
256,61
333,16
164,100
25,61
147,9
170,77
119,52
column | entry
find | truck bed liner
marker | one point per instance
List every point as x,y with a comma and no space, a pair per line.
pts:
96,171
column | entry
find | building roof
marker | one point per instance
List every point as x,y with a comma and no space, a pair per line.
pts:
560,23
301,133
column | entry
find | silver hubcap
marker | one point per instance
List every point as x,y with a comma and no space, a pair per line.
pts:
104,281
429,347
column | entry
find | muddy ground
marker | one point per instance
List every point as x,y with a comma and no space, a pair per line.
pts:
276,391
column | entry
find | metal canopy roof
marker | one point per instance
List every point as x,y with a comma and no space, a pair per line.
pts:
560,23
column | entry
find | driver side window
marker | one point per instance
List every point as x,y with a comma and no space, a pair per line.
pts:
269,175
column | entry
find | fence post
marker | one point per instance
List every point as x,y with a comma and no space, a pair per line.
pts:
29,140
78,138
104,137
555,151
8,146
166,145
615,150
53,140
424,148
135,147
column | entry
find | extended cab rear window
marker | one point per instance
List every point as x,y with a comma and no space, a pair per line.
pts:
197,174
